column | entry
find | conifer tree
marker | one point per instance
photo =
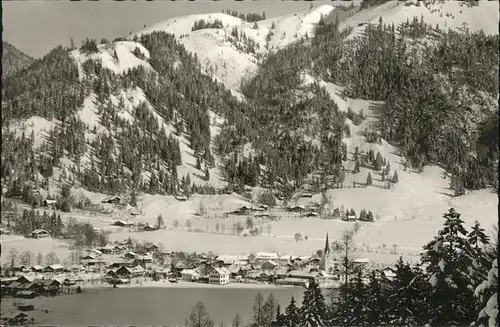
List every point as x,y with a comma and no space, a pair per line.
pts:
352,311
369,179
356,167
395,178
280,318
290,318
207,174
486,294
378,162
403,304
447,263
237,322
377,303
313,312
369,216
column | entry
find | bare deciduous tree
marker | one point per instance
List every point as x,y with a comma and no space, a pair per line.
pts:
13,256
199,317
51,258
26,258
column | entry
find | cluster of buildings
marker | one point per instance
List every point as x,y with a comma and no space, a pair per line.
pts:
119,264
29,288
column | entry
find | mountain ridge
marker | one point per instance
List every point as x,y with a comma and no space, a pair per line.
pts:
13,59
120,76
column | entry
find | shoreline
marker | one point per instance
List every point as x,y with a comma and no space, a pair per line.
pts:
183,284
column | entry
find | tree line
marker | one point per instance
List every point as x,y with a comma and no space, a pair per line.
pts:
452,284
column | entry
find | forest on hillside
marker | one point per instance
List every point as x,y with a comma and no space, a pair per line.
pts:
438,87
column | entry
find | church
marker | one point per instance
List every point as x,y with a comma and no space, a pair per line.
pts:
325,263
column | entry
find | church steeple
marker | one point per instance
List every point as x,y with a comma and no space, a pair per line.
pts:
327,245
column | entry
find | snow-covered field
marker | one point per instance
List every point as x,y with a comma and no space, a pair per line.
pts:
374,240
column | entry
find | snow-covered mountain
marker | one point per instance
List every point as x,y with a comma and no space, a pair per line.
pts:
217,51
13,59
224,57
216,48
447,14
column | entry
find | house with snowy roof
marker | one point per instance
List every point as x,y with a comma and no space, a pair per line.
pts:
16,318
110,249
39,233
269,265
55,269
219,276
190,275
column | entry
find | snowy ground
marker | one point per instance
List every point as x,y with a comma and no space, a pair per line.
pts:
446,14
409,212
374,241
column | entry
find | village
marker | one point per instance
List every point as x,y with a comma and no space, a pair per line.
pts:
128,264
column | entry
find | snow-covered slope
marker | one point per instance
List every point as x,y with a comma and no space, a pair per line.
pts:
216,48
118,56
446,14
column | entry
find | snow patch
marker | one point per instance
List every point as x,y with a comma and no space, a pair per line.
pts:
39,126
117,57
442,265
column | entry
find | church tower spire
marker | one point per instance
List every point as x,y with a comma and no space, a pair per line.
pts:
327,245
325,262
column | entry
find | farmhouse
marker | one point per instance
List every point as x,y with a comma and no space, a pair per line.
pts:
37,269
152,248
14,318
148,228
39,233
130,255
40,286
219,276
27,294
55,269
110,249
269,265
349,217
129,272
293,282
49,203
295,209
95,265
229,260
303,275
190,275
265,256
360,263
121,223
76,268
236,272
144,260
112,200
20,268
